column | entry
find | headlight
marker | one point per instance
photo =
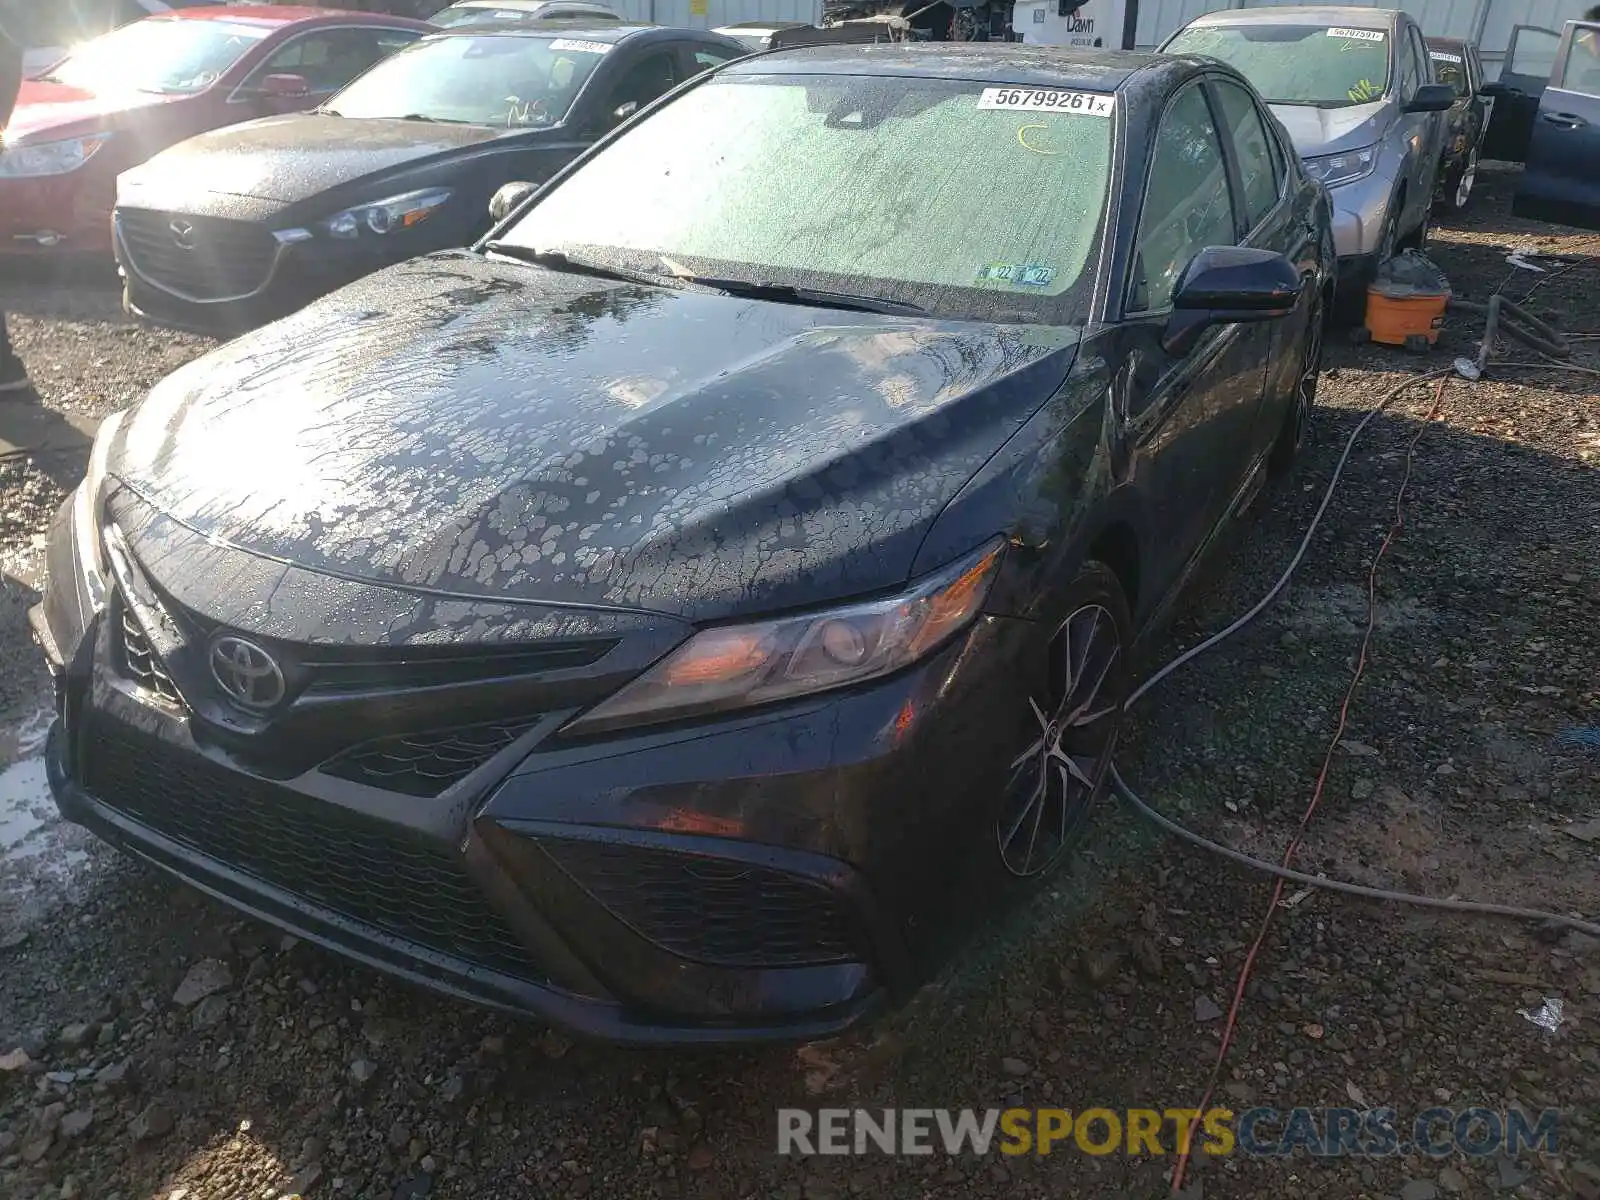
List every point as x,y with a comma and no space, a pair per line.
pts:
736,666
49,158
398,212
86,512
1332,170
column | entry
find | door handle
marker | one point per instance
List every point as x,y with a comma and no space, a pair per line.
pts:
1563,120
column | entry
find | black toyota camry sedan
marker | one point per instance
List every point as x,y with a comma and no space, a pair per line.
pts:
226,231
675,614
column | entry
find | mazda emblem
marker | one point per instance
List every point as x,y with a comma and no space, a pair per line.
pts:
246,673
182,235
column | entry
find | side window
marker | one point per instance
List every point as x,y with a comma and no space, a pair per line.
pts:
1186,202
1424,63
1254,145
1533,52
652,76
330,58
1581,71
1411,76
704,59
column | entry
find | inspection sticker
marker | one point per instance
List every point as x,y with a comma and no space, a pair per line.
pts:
1095,104
1358,35
580,44
1021,274
1441,56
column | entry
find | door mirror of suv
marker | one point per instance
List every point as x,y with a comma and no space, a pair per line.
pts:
508,197
1432,97
285,87
1225,285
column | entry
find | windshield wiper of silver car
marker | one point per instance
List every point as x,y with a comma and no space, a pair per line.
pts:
560,260
786,293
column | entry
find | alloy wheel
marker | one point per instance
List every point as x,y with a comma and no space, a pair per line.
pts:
1469,176
1072,735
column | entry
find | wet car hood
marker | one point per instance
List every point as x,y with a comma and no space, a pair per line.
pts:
46,111
1334,130
477,427
293,157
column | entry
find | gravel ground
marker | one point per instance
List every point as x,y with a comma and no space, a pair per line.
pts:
170,1050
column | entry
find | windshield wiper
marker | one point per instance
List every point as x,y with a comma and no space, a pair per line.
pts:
560,260
786,293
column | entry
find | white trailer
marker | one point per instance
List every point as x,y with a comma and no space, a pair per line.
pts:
1089,24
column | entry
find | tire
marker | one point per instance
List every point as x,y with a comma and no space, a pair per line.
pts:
1458,192
1066,736
1297,421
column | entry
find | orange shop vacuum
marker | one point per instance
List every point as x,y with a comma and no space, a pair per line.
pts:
1406,303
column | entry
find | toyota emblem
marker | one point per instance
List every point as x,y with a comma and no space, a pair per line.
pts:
182,235
246,673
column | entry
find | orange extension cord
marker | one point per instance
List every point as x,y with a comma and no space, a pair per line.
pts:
1187,1141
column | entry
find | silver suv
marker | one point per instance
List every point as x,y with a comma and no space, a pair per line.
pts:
1355,89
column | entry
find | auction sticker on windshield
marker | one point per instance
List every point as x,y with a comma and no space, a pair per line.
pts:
1441,56
1358,35
580,45
1095,104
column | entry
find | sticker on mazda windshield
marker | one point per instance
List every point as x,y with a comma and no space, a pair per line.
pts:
1441,56
1358,35
1018,274
580,45
1094,104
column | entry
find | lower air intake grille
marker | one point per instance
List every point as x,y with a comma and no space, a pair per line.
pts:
424,764
335,859
712,910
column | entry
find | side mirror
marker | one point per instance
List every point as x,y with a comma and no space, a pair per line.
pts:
623,111
1225,285
1432,97
285,87
508,197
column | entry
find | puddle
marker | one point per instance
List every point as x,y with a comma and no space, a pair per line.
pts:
42,857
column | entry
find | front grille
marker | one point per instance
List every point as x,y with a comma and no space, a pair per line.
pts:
139,662
424,764
712,910
370,873
224,259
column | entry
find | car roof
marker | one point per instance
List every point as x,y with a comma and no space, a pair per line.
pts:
1301,14
574,29
1445,43
525,5
274,15
1018,64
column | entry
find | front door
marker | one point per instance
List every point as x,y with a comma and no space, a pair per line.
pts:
1176,409
1562,179
1529,60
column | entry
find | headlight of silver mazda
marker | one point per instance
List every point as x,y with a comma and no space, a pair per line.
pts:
386,216
736,666
1335,170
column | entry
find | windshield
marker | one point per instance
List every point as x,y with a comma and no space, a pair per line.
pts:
1317,65
164,56
514,81
970,202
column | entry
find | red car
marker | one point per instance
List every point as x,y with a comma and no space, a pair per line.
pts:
119,98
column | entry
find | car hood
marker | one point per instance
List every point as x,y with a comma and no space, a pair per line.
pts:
291,158
50,110
1334,130
482,428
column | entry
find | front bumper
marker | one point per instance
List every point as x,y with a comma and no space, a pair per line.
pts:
781,875
1359,212
213,295
56,214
